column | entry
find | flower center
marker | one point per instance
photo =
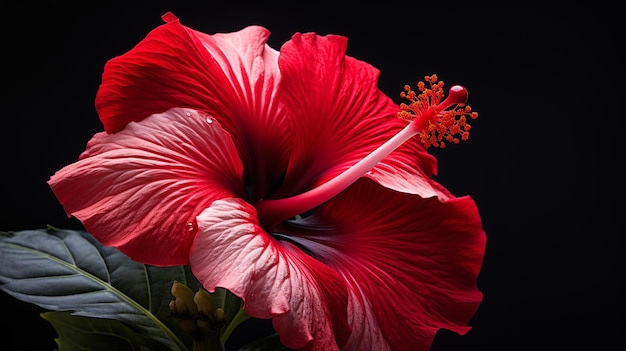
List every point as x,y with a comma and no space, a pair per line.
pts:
436,121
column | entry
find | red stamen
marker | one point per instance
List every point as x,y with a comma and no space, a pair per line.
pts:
428,117
437,124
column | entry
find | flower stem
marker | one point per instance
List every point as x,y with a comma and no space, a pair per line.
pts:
239,318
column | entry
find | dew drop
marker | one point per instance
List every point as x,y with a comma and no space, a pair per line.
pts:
209,120
191,227
188,114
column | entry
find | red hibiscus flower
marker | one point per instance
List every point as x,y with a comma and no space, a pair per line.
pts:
239,160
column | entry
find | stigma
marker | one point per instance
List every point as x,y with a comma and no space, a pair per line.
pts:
438,121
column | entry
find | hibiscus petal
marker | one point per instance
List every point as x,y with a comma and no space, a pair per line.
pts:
141,188
400,172
306,299
411,264
231,75
340,116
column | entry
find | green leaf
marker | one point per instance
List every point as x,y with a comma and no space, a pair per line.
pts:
67,270
268,343
78,333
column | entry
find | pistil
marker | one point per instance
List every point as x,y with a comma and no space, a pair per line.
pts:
428,116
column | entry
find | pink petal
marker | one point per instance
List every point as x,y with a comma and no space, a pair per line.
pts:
411,264
401,171
307,300
140,189
232,75
341,116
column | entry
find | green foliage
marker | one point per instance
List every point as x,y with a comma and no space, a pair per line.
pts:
66,270
78,333
100,299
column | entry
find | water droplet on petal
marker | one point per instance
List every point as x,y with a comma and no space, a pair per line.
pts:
209,120
191,226
188,114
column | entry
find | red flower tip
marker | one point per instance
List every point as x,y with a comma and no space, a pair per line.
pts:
456,95
169,17
437,125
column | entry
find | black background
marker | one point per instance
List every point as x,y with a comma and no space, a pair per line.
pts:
541,162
